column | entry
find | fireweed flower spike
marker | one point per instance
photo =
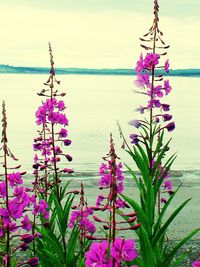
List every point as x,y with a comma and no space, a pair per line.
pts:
156,89
148,150
53,136
14,206
120,249
80,215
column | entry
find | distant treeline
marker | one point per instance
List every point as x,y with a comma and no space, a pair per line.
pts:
87,71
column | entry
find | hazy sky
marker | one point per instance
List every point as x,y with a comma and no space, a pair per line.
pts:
95,33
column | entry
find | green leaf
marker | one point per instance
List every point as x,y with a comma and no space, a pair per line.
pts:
179,260
170,256
51,258
168,222
146,250
143,154
142,217
159,221
160,157
159,144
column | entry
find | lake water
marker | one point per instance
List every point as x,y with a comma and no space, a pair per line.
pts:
94,104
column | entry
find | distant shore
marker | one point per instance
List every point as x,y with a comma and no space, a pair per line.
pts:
91,71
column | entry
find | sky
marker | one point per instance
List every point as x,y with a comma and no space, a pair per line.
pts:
95,33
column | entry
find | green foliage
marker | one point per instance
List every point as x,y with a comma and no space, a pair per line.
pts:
59,245
154,250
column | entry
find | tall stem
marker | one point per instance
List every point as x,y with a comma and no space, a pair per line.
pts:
46,174
4,141
113,192
152,96
52,72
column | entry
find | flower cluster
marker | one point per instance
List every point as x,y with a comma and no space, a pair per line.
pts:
53,136
121,250
16,203
106,180
80,215
151,82
147,68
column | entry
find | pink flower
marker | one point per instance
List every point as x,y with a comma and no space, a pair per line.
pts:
97,255
2,189
40,115
167,65
26,224
167,87
196,264
151,60
63,133
33,261
154,103
15,178
139,67
123,250
158,91
61,105
142,80
168,185
27,238
100,198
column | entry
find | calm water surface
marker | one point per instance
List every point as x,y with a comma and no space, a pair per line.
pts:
94,103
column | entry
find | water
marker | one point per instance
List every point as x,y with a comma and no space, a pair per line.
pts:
94,103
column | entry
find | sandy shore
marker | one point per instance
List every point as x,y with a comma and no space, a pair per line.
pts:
187,220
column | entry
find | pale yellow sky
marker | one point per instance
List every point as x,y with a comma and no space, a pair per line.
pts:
104,38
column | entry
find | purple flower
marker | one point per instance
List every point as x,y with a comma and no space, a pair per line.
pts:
81,216
167,65
61,105
68,157
100,198
2,189
134,139
23,246
27,238
123,250
97,255
135,123
15,178
33,261
120,187
1,232
40,115
163,200
167,87
26,224
170,127
196,264
67,142
165,107
140,109
142,80
67,170
139,67
167,117
158,91
151,60
154,103
121,204
168,185
63,133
